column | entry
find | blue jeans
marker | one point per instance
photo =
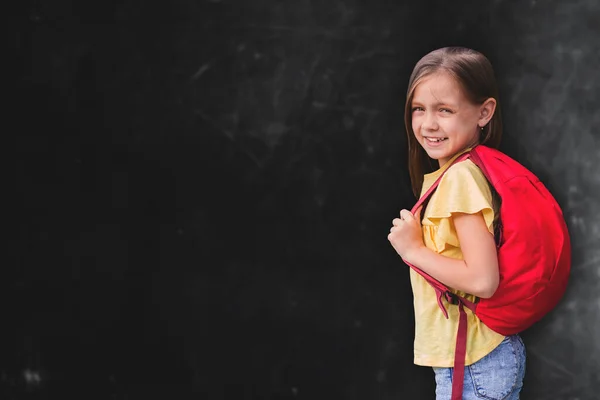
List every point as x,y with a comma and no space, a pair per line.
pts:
497,376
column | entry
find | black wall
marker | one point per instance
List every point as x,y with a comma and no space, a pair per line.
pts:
201,193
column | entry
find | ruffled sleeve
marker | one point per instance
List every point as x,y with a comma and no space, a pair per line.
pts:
462,189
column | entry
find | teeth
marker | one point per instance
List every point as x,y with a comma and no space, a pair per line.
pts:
435,140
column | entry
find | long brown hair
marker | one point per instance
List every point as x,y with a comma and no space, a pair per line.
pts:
474,73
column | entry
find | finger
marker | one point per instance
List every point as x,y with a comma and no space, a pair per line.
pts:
396,221
405,215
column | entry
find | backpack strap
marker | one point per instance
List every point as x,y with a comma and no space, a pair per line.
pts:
460,352
442,290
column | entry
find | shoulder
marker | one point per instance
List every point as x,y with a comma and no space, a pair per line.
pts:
464,180
462,189
464,175
464,170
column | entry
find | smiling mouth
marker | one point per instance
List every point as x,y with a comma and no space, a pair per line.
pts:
435,140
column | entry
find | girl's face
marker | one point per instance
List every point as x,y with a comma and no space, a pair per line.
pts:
444,121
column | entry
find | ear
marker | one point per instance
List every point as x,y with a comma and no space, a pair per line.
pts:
486,111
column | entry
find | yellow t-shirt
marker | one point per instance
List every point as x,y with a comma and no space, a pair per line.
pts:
463,188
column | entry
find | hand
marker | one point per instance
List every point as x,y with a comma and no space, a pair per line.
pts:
406,235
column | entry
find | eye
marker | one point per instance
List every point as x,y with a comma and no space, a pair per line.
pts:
445,110
417,108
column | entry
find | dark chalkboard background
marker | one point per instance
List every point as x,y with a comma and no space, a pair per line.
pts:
203,189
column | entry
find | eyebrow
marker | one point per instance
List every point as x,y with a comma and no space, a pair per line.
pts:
438,104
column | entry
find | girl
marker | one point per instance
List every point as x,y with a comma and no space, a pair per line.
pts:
452,106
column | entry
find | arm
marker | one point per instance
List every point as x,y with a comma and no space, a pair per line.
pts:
476,274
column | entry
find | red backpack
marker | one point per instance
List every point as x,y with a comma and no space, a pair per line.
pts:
534,255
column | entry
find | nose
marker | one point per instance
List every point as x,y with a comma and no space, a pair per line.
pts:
429,122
